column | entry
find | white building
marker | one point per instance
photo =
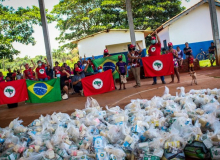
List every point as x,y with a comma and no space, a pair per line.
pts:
192,25
115,40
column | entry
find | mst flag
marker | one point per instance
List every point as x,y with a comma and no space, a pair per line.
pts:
13,92
158,65
98,83
44,92
109,63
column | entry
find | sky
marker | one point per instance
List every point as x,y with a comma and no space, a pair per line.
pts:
39,48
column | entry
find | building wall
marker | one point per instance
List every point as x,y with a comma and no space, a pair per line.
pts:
164,36
195,28
95,45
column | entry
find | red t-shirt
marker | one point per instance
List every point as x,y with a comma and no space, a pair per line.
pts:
190,60
63,74
41,72
154,49
29,74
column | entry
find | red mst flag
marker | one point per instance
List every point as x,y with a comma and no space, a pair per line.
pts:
98,83
162,65
13,92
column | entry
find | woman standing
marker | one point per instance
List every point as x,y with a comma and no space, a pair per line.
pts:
175,56
135,57
49,72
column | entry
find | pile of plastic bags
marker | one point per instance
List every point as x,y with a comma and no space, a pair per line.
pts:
167,127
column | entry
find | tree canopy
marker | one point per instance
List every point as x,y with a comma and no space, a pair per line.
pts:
79,18
17,26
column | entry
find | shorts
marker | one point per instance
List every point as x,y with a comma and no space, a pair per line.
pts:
122,79
191,65
175,63
211,56
45,79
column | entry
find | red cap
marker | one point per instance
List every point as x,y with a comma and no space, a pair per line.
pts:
170,44
105,51
78,69
26,64
131,46
153,38
100,67
120,56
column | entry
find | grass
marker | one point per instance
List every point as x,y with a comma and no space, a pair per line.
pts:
206,63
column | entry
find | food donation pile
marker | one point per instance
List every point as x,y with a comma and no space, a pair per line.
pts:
167,127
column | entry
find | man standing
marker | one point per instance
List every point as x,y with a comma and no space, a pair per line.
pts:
41,74
155,50
187,50
9,74
212,50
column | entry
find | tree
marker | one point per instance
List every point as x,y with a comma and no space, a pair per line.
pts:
17,26
79,18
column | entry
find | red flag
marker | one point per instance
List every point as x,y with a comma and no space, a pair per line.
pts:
158,65
98,83
13,92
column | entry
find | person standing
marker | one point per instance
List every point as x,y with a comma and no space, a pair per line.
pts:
9,74
191,63
28,72
155,50
19,75
41,71
1,77
180,56
56,67
175,63
135,57
187,50
49,72
121,68
212,50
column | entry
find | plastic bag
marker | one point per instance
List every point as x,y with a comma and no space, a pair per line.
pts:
182,91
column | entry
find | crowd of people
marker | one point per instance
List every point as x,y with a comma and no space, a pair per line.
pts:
71,78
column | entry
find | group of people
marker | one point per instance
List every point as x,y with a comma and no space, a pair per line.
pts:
71,78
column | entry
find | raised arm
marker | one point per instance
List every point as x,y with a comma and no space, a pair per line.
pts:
47,61
32,68
86,66
158,38
24,76
67,74
140,49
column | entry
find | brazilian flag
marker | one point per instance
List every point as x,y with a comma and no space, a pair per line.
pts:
44,92
109,63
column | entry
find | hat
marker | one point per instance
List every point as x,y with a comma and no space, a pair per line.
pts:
120,56
105,51
78,69
153,38
100,67
131,46
170,44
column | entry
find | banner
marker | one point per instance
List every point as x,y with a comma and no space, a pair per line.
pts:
13,92
98,83
158,65
44,92
109,63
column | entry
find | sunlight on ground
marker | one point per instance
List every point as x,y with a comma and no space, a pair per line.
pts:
206,63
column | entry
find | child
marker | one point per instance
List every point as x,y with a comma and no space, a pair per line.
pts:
121,68
191,65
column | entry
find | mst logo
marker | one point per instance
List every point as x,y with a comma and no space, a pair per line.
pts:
153,49
9,91
97,83
157,65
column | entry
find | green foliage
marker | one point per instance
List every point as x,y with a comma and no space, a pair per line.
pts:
17,26
78,18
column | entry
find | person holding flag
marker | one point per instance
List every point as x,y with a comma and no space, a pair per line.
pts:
175,63
155,50
135,57
28,72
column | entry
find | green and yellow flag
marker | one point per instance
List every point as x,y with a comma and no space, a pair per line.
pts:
44,92
109,63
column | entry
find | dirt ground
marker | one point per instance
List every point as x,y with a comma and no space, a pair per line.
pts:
207,78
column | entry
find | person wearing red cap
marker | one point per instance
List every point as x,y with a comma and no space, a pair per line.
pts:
121,68
106,53
28,72
135,57
155,50
99,69
76,80
175,63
